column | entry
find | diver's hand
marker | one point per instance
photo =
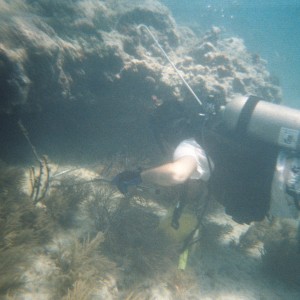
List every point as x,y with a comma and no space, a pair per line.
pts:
126,179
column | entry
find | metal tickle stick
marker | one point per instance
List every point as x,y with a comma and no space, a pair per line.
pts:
172,64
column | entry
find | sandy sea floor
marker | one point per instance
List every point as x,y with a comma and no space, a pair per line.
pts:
79,261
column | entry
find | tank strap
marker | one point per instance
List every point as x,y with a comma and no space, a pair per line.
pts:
245,115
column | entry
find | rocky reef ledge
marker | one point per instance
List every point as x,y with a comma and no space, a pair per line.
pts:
61,61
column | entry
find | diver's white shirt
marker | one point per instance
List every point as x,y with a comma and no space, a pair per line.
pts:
190,147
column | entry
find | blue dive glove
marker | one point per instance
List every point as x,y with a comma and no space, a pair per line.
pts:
126,179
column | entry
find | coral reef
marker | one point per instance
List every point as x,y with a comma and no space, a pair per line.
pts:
89,60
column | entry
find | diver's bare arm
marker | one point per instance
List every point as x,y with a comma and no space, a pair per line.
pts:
171,173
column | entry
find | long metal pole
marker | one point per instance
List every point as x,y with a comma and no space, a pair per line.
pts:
172,64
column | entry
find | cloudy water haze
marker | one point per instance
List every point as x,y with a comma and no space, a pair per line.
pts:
115,183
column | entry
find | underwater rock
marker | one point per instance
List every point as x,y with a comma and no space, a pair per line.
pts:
77,50
14,82
238,86
89,60
200,52
224,72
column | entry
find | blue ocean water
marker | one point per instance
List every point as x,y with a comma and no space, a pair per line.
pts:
269,28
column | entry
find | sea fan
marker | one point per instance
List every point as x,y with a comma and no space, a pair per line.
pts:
139,246
81,291
62,204
82,261
97,210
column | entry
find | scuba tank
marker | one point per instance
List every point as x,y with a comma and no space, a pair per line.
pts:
248,179
257,119
251,117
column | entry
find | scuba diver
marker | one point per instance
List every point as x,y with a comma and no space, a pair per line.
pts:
236,165
208,158
174,133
